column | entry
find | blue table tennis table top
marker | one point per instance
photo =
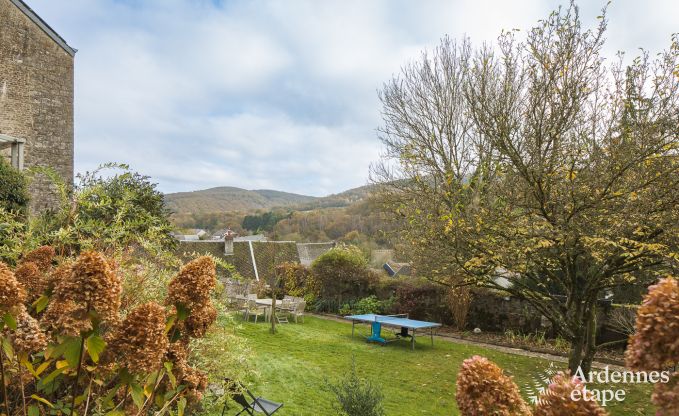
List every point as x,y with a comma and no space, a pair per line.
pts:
393,321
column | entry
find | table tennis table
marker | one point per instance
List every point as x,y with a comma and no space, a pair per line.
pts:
408,326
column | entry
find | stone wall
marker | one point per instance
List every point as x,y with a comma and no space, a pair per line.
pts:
36,99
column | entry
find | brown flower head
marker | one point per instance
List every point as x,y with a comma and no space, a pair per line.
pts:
12,294
139,342
193,284
483,389
666,396
59,274
93,284
557,400
41,256
199,321
30,277
28,336
87,287
655,344
66,317
195,381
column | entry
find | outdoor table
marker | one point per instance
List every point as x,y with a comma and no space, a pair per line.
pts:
408,326
268,303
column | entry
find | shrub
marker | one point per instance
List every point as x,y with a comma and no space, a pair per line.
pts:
371,304
124,211
297,280
458,301
13,189
72,348
342,273
483,389
421,299
356,396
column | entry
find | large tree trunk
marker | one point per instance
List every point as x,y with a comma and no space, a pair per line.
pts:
575,354
590,345
583,343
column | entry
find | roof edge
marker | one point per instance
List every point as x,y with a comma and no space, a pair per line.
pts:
44,26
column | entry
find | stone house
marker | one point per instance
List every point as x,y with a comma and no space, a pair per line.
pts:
36,99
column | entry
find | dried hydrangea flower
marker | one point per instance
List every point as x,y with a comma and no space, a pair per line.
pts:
655,344
59,274
92,285
557,400
194,380
666,396
139,343
88,286
66,317
32,279
483,389
28,337
12,294
41,256
193,284
199,321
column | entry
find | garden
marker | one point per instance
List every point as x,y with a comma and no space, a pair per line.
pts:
533,189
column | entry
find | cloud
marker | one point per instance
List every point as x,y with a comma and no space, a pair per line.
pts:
271,94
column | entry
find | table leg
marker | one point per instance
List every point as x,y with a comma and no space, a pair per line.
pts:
432,336
353,324
412,341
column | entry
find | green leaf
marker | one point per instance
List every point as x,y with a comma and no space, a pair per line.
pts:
33,410
173,379
72,351
95,346
10,321
170,323
41,303
40,399
182,312
7,347
181,405
137,394
51,376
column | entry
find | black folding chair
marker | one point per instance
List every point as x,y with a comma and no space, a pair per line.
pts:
258,404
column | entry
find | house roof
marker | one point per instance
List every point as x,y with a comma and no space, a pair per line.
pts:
44,26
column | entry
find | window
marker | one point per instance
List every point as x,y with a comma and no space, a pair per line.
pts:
16,147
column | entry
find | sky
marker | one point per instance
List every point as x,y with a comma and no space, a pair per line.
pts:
273,94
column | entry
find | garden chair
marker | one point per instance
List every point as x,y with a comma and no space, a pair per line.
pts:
258,404
299,311
254,309
285,308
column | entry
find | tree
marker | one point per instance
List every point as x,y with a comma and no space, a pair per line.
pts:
537,169
13,189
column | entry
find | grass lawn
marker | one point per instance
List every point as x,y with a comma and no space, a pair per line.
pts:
294,364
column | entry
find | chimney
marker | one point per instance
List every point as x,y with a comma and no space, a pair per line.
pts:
228,242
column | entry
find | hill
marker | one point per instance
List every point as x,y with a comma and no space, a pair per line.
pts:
232,199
